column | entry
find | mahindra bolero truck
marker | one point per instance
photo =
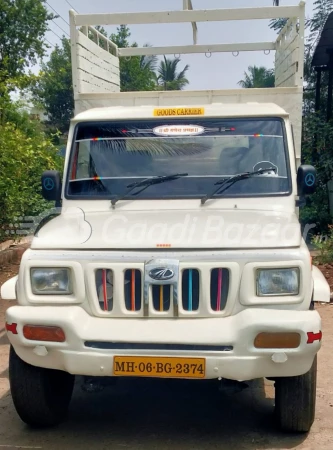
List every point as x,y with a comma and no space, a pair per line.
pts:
176,249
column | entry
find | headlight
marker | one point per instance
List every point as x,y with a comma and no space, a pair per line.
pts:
277,282
48,281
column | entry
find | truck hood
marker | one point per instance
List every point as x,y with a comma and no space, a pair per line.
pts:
163,229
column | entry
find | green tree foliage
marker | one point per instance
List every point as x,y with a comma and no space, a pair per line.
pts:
322,9
53,89
258,77
317,133
278,24
25,154
315,24
148,62
23,24
24,149
317,145
169,79
136,73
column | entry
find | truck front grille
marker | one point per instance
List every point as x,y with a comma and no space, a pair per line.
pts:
198,292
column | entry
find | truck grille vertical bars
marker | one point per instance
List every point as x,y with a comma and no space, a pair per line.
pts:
194,296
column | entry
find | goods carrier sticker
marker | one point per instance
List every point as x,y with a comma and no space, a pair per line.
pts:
169,112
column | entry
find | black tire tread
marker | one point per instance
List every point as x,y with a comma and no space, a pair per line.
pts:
295,401
41,396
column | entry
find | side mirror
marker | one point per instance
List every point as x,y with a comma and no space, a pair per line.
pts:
51,185
306,180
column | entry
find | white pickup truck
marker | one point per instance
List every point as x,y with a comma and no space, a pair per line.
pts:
177,251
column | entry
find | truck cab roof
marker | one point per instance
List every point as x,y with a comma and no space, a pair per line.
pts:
211,110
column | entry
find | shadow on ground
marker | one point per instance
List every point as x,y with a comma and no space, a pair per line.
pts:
160,414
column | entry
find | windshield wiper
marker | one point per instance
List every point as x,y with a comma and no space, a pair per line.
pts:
146,183
227,183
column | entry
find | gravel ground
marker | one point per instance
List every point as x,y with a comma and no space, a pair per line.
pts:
170,414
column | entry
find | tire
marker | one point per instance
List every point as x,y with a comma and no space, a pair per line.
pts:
295,401
41,396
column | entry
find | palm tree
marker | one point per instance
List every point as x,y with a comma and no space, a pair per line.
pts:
148,62
258,77
167,76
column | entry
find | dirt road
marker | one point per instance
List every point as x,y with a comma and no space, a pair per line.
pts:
168,414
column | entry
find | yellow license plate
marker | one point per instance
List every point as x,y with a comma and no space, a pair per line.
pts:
146,366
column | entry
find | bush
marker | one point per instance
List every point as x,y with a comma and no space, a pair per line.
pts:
317,148
316,210
324,244
25,153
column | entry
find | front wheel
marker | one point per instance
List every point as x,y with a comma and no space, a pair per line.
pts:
41,396
295,401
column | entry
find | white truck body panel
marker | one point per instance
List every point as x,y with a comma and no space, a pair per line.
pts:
8,289
244,362
321,289
97,70
186,228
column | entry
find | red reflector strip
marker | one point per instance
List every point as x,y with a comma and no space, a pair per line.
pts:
12,327
313,337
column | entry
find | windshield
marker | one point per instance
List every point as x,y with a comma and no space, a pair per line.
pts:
107,157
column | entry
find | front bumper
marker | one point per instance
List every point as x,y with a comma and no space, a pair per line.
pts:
243,362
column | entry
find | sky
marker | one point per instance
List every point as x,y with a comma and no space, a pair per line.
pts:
221,71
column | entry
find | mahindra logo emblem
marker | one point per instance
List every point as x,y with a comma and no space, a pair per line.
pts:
161,274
